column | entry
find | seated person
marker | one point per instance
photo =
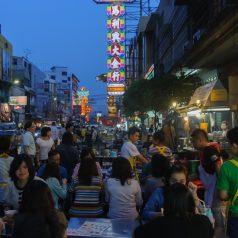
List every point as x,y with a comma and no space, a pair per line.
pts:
123,193
87,153
177,174
54,157
22,173
37,217
180,219
86,191
159,171
57,185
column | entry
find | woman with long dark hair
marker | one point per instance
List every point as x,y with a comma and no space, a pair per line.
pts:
37,217
87,153
180,219
122,192
86,188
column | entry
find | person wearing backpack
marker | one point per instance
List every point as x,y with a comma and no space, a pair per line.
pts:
227,184
210,164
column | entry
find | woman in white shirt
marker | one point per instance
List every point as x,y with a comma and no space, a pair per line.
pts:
44,144
122,192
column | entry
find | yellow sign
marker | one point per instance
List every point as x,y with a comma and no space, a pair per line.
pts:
219,95
204,126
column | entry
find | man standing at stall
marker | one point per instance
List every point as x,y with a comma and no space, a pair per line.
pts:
210,164
129,150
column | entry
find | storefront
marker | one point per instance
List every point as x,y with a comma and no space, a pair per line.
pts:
208,109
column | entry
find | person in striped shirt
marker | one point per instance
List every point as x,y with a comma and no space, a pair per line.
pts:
158,147
86,188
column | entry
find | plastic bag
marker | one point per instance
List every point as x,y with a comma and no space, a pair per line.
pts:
206,211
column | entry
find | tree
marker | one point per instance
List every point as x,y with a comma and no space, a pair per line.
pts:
135,98
157,95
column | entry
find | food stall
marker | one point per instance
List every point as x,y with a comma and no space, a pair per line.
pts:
208,109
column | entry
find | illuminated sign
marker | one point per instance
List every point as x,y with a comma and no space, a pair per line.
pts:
18,100
5,112
115,10
116,89
116,50
115,24
115,76
151,73
88,109
116,63
83,108
116,36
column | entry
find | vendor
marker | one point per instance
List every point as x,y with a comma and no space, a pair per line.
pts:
224,127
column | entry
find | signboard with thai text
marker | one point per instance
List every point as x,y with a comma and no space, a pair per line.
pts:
18,100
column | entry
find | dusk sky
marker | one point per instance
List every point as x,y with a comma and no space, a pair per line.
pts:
68,33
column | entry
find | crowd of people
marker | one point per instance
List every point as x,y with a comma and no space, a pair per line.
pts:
52,181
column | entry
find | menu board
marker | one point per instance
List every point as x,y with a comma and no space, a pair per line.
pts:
90,229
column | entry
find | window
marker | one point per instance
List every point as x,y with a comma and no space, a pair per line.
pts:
64,73
14,61
68,78
52,77
64,81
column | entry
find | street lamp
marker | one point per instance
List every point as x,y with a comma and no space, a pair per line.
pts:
174,104
16,81
102,77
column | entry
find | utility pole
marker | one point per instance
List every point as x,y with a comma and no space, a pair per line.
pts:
141,8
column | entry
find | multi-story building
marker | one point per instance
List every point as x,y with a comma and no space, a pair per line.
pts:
23,71
190,38
5,68
66,87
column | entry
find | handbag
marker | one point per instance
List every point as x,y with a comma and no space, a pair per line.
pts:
206,211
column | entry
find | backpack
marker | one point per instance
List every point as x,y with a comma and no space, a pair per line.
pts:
211,156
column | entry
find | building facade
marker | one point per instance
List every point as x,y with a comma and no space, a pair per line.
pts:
28,81
5,68
190,39
65,86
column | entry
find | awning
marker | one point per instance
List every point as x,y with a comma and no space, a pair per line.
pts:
210,95
201,94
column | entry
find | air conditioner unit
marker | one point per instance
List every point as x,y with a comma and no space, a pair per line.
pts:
197,35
